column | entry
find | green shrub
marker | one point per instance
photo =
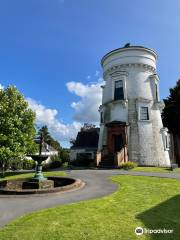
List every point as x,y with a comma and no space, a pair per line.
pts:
55,162
128,165
82,160
64,155
65,165
16,164
28,164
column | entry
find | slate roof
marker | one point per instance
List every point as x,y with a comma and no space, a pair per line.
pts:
87,139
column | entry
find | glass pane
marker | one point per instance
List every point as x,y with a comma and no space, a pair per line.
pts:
118,91
156,88
119,84
144,115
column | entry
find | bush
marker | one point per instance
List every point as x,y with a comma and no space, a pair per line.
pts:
82,160
64,155
129,165
55,163
16,164
28,164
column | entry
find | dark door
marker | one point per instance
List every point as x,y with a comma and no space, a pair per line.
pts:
118,142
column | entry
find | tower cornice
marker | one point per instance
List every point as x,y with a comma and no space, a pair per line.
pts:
122,69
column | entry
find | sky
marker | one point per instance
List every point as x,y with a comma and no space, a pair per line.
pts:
51,51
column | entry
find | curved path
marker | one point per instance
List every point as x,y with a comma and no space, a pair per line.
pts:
97,185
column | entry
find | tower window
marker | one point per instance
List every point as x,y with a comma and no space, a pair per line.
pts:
166,142
101,117
118,90
156,92
144,114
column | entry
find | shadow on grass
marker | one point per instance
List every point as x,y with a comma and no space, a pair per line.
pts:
163,216
169,169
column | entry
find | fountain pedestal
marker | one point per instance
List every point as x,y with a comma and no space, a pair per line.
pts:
39,159
38,181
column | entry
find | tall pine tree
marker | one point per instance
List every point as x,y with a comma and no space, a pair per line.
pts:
171,112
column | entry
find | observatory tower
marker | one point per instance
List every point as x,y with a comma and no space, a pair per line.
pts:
131,126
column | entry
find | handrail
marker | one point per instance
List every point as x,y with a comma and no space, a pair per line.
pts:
121,156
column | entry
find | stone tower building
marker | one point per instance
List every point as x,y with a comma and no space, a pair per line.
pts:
131,125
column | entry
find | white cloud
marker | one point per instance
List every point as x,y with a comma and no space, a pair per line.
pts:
86,110
96,73
88,77
48,116
1,86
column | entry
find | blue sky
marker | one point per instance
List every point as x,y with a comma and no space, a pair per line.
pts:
46,46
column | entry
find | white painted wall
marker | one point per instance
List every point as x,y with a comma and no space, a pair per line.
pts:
136,66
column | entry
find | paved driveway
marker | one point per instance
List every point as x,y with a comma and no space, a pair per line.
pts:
97,185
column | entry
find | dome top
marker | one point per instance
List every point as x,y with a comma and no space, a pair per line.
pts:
128,47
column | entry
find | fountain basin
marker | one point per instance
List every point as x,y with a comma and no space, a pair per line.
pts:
30,186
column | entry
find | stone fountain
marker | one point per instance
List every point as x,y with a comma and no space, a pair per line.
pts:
39,181
39,184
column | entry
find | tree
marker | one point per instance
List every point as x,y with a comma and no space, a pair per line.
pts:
17,130
45,133
48,138
63,154
72,142
171,112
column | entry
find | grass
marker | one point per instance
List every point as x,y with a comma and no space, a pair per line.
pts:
148,202
155,169
18,175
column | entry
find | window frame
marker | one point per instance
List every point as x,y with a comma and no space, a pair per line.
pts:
122,89
115,76
166,139
143,103
143,113
101,117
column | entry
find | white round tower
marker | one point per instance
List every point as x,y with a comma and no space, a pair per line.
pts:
131,107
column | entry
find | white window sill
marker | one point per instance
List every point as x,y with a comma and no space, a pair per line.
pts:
148,121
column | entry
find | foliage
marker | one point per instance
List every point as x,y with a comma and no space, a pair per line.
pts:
16,164
149,202
49,139
55,162
28,164
72,142
171,112
128,165
82,160
63,154
17,129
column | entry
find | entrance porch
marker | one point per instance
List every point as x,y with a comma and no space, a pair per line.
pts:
115,152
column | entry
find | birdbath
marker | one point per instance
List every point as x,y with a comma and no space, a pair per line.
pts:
39,159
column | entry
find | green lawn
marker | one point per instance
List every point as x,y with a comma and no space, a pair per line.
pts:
17,175
148,202
156,169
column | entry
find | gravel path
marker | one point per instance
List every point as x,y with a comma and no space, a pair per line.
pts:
97,185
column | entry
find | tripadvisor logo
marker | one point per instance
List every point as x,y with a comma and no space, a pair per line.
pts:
139,231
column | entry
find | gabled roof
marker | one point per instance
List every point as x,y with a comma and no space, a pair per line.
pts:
87,139
48,148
